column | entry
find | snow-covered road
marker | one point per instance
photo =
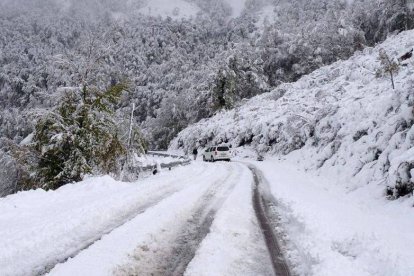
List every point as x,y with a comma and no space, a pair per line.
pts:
194,220
207,219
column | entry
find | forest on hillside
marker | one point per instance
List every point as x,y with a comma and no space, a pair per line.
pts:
176,71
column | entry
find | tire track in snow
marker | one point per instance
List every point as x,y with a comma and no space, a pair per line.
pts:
198,227
47,268
174,260
169,191
261,204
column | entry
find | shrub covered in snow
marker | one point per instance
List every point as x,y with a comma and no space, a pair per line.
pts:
79,137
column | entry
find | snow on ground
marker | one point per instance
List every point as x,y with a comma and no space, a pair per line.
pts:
144,245
331,231
342,135
39,228
172,8
103,227
343,119
235,244
110,227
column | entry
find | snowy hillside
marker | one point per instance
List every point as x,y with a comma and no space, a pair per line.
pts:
342,119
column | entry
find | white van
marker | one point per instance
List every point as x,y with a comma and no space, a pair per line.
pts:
217,153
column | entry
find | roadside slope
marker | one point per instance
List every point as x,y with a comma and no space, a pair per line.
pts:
342,119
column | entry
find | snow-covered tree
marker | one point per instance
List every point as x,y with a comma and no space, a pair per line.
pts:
79,137
46,47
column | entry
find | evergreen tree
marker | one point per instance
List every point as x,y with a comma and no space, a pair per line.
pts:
79,137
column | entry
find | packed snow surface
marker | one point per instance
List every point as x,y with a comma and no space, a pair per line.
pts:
235,239
142,246
39,228
104,227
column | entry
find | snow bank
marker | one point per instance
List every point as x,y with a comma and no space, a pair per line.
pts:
330,231
342,119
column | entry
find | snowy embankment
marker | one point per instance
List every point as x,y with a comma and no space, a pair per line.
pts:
342,119
39,229
328,230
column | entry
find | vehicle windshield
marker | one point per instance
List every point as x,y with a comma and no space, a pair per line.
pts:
223,149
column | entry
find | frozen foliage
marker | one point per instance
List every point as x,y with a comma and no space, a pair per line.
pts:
343,118
8,181
79,137
183,64
180,65
15,162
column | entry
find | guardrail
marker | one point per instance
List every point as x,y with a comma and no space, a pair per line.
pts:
164,154
135,171
183,160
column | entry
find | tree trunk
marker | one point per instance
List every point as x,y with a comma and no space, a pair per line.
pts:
131,124
392,79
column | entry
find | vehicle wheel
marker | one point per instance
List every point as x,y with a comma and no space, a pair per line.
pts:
204,158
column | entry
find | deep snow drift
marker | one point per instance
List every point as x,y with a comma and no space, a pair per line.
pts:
342,119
